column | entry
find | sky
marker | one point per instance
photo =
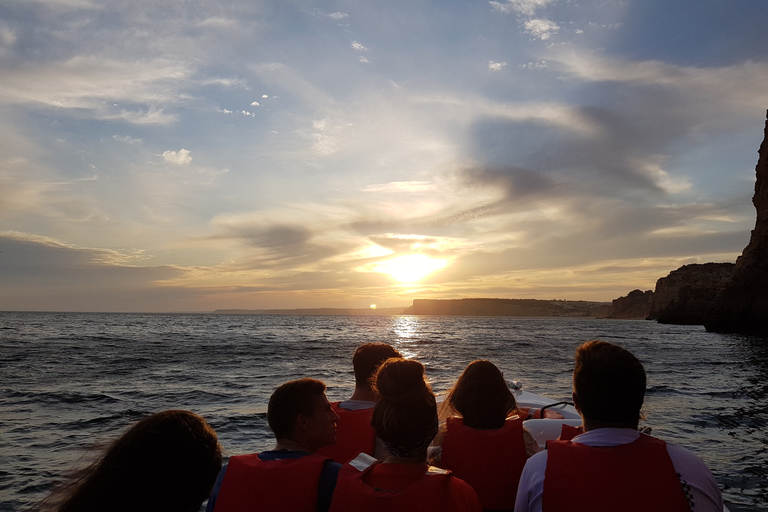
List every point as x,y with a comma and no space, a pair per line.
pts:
165,156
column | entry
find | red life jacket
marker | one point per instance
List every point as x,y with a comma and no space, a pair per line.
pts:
634,477
288,485
489,460
434,491
567,432
354,434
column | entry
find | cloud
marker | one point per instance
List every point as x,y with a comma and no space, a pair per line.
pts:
496,66
97,86
40,273
126,139
401,186
359,47
287,79
538,65
524,7
273,245
541,29
218,22
737,84
7,39
180,157
226,82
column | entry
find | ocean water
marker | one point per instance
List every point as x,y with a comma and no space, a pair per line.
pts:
73,381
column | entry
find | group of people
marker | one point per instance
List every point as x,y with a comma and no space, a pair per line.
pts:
392,447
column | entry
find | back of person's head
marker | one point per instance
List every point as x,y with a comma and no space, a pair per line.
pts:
289,401
481,396
367,359
405,416
609,383
165,462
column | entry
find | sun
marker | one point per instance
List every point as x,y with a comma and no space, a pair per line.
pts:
410,268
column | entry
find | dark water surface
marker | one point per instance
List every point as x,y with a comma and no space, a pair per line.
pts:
69,381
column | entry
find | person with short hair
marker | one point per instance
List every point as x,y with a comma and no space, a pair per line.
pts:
290,477
405,418
612,466
354,433
166,462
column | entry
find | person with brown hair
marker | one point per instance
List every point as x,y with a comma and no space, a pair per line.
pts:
290,477
166,462
405,418
354,433
483,441
612,466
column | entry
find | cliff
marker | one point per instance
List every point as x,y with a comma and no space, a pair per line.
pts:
637,304
686,294
742,307
508,307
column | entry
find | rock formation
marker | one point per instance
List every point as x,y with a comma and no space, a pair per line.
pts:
508,307
637,304
688,293
743,305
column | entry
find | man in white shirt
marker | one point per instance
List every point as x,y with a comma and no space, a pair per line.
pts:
611,466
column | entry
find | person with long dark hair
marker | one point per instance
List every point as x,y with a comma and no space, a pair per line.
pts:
405,418
166,462
483,441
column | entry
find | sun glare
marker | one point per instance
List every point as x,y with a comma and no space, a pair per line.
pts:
411,268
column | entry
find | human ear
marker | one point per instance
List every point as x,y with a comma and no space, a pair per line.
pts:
576,402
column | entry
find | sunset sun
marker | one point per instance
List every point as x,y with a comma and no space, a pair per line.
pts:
411,268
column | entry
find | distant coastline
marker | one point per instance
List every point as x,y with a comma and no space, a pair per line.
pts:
456,307
315,311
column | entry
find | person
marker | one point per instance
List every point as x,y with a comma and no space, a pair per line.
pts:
290,477
166,462
612,466
354,433
483,441
405,418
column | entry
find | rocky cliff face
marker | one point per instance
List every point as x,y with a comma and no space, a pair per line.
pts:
637,304
507,307
743,305
686,294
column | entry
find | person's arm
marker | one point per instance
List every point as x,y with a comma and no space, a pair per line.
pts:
530,490
215,492
531,446
698,483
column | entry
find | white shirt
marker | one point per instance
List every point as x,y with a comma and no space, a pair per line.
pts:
700,486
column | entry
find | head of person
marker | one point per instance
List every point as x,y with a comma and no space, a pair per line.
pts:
481,396
367,358
405,416
608,384
299,411
166,462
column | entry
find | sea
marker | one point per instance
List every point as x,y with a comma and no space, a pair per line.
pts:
71,382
